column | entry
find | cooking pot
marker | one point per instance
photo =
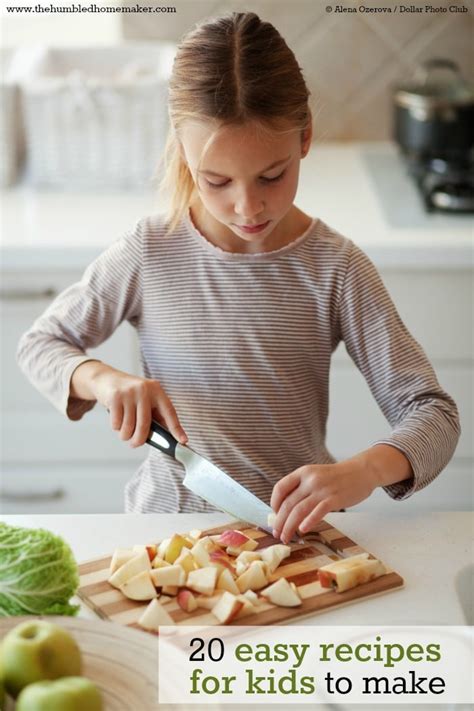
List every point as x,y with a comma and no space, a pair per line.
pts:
434,112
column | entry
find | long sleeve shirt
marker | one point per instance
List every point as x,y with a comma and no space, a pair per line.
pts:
242,345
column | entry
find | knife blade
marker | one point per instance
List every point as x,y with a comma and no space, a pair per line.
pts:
210,482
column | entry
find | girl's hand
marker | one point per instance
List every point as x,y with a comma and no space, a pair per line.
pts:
301,499
131,401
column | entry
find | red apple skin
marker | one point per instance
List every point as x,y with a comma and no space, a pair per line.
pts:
235,539
151,550
185,600
219,556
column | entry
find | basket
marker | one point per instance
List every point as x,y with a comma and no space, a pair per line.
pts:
96,117
11,130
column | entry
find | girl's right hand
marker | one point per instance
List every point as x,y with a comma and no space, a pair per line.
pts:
132,402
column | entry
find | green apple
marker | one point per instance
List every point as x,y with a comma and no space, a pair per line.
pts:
71,693
37,650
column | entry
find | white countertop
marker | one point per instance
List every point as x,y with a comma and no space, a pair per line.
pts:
427,550
360,189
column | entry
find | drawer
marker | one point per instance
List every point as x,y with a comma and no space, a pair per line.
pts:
355,420
64,488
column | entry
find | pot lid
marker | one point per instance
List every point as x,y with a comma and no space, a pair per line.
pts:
437,82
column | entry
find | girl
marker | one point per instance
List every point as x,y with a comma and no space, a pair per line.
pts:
239,299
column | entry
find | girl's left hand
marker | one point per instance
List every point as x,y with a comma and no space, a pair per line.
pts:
301,499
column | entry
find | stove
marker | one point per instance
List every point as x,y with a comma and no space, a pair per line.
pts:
446,183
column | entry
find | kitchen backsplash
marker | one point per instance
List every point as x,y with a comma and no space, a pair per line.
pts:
350,59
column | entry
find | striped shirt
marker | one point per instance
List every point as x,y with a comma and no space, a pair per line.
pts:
242,345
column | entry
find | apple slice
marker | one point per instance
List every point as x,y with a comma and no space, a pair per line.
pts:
232,538
160,563
132,567
282,594
207,602
140,587
252,597
120,556
227,607
154,616
253,578
186,560
187,601
248,608
150,549
202,580
221,560
162,547
169,575
194,534
225,581
170,590
201,554
273,555
173,549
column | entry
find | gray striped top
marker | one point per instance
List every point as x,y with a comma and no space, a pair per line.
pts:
242,344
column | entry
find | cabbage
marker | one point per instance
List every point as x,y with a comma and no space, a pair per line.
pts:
38,573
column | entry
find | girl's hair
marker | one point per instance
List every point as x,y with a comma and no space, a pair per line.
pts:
229,71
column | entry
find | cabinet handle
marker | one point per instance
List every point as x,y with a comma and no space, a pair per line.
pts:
28,294
54,494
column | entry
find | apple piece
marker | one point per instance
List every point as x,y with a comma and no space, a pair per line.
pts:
227,608
252,597
282,594
169,575
202,580
274,555
162,547
249,545
271,518
132,567
220,559
36,650
160,563
154,616
66,694
253,578
248,556
187,601
349,572
151,549
248,608
170,590
140,587
232,538
165,599
173,549
195,534
120,556
207,602
226,581
200,554
186,560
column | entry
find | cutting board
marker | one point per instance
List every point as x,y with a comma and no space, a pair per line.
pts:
109,654
325,545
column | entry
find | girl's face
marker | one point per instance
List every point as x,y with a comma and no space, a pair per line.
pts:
246,179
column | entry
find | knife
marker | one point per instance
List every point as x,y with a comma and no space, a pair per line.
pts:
211,483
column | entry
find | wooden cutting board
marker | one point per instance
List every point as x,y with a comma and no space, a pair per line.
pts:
110,655
324,545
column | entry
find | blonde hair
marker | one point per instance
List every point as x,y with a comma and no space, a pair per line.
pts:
229,71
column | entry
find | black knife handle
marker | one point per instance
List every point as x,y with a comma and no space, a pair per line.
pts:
162,439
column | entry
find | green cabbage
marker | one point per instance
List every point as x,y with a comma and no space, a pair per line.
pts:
38,573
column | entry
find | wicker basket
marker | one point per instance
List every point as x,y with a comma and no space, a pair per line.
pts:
97,117
11,130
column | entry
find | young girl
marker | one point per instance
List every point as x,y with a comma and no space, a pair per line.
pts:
239,299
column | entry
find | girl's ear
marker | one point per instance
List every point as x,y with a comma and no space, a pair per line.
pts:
306,138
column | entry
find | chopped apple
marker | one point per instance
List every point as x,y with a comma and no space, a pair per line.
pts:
200,554
202,580
150,549
253,578
160,563
186,560
221,560
162,547
120,556
170,590
173,549
232,538
186,600
194,534
244,559
154,616
282,594
226,581
135,565
140,587
252,597
227,608
169,575
208,602
248,608
165,599
250,545
273,555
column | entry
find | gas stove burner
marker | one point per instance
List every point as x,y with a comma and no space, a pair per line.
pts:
446,182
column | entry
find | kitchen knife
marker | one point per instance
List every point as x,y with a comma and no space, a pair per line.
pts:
211,483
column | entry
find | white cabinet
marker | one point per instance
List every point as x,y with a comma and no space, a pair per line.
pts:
48,462
437,308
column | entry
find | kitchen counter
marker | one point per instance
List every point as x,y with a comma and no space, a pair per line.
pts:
427,550
360,189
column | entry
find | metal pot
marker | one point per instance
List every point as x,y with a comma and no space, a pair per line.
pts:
434,112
